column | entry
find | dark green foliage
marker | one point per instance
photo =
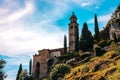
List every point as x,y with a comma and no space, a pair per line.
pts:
83,56
67,57
65,44
109,42
104,34
103,43
59,71
19,72
87,59
118,7
115,38
96,37
98,51
28,78
30,67
86,39
2,74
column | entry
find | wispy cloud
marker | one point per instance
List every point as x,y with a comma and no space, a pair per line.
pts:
85,4
23,38
17,14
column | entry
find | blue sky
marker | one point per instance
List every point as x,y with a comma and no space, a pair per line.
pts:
27,26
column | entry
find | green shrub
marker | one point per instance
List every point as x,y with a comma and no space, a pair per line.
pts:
68,56
84,60
85,54
109,42
102,43
98,51
59,71
28,78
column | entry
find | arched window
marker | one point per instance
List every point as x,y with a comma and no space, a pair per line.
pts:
37,71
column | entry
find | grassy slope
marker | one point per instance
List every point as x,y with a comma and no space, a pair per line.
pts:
106,66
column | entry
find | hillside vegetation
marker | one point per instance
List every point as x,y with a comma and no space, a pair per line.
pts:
106,67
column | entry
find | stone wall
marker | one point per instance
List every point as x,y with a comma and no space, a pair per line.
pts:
41,58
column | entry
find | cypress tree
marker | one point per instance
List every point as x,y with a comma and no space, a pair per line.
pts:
30,67
65,44
86,39
19,72
96,37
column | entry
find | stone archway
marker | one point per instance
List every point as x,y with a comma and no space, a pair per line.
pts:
37,71
49,64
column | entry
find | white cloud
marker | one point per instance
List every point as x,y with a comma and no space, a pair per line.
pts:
85,4
101,19
20,40
17,14
3,11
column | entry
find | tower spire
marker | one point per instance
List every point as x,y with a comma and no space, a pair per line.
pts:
73,34
73,18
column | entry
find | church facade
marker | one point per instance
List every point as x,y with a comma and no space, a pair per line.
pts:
41,61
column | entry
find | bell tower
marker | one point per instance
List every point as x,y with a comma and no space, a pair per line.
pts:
73,34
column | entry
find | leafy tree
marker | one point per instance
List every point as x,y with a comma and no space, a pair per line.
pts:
19,72
2,74
59,71
96,37
65,44
23,74
30,67
86,39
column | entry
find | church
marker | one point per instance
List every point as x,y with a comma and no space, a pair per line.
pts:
40,67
